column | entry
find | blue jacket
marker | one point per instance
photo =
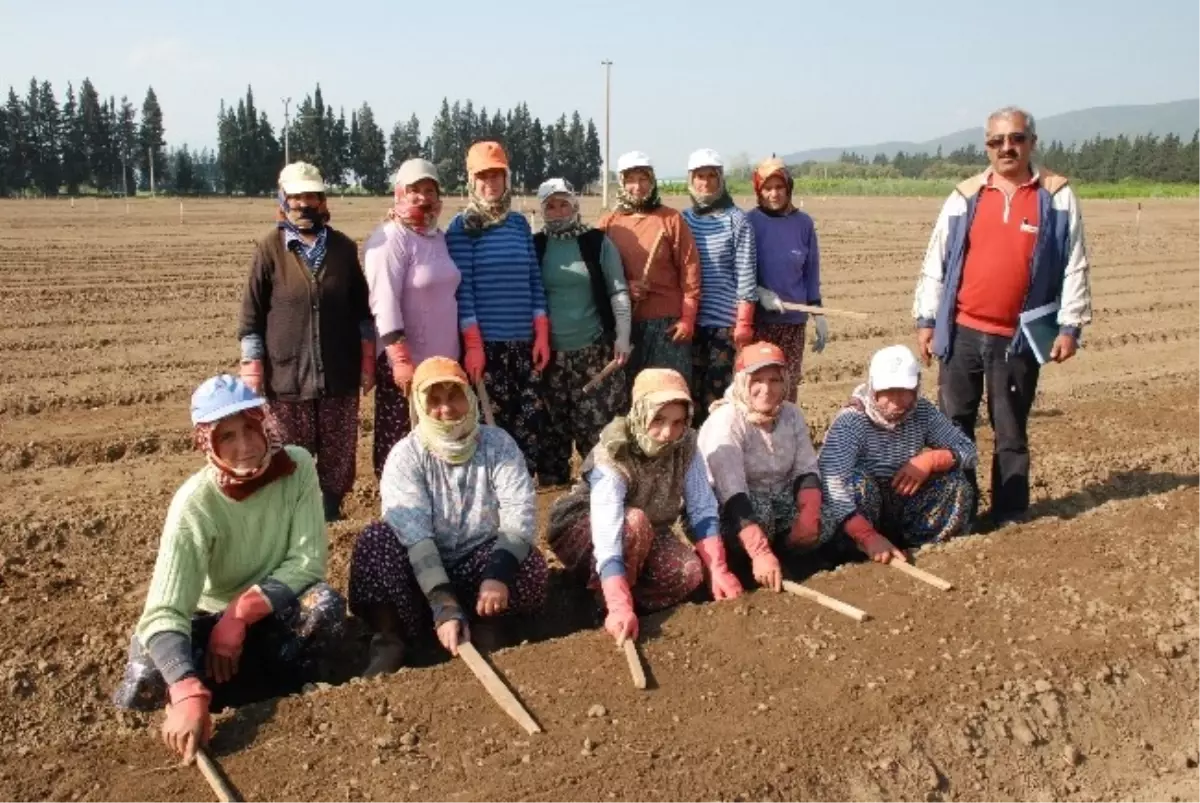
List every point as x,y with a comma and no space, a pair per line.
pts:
1058,273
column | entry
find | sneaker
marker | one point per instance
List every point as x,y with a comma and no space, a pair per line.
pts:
385,655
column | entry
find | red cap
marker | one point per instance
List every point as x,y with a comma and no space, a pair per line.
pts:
759,355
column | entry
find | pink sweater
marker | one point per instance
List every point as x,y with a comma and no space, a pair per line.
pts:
413,283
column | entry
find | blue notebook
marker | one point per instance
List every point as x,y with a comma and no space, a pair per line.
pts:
1040,327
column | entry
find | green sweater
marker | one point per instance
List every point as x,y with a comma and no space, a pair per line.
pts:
213,548
574,321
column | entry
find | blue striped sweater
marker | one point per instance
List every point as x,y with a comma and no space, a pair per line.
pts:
728,264
501,286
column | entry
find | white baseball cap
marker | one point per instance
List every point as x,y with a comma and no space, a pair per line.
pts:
414,170
895,367
705,157
299,178
554,186
628,161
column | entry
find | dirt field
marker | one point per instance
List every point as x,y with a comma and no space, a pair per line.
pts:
1062,666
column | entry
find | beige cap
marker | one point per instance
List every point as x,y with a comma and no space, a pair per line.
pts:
414,170
299,178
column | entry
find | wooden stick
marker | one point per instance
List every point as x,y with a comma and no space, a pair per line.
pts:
845,313
822,599
636,670
605,373
922,575
645,280
481,391
495,687
215,776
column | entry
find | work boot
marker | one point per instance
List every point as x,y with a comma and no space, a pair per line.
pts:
385,655
333,507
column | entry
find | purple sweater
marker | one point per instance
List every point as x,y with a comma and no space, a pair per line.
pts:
789,262
413,283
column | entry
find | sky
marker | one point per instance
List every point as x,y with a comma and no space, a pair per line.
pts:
746,78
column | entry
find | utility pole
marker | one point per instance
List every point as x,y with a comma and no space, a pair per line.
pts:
150,159
287,124
607,127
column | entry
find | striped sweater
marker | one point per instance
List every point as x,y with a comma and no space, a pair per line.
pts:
855,442
501,287
728,264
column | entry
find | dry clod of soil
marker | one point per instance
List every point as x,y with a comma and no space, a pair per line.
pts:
1023,733
1072,755
1042,686
596,711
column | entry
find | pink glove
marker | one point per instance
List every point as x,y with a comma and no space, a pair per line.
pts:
252,375
765,566
621,622
541,343
806,529
743,330
367,367
188,726
872,544
685,329
402,365
712,554
473,360
229,634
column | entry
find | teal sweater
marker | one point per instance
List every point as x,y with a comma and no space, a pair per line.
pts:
213,548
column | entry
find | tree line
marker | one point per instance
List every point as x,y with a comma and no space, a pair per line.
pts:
1102,159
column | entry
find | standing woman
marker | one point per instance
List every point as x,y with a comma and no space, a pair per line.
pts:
308,342
501,301
661,265
725,241
413,282
589,326
789,266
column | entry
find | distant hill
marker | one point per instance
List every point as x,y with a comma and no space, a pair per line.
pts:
1180,117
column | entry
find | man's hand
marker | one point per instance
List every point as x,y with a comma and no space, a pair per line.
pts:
925,345
1063,349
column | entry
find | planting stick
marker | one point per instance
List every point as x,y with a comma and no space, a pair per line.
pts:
635,663
920,574
215,776
481,391
645,280
811,310
823,599
495,687
605,373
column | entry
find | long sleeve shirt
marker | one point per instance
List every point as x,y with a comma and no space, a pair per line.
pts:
744,458
460,507
607,511
728,274
501,288
574,321
675,268
213,548
854,442
789,262
413,283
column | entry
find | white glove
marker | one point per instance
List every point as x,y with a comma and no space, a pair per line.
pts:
769,299
822,333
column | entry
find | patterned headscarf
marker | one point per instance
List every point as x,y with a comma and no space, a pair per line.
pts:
629,436
710,202
479,214
293,222
628,205
454,442
237,483
415,217
569,227
738,394
773,167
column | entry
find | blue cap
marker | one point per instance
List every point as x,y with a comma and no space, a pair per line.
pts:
222,396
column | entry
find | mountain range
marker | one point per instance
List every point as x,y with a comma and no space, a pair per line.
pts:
1181,117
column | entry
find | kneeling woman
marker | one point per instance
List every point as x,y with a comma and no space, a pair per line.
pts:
238,609
614,528
763,465
458,526
892,465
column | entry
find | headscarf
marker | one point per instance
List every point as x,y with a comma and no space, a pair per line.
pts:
628,205
629,436
306,220
738,394
423,219
567,228
481,215
711,202
237,483
773,167
454,442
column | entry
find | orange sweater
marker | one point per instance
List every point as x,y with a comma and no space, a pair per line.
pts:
675,271
999,253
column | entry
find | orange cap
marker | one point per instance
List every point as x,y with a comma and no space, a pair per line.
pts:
759,355
435,370
486,155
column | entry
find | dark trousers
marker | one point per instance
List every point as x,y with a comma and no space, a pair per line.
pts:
978,360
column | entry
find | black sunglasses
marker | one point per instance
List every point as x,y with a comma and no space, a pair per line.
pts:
1016,138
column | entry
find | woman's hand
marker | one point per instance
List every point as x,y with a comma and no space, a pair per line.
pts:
493,598
453,632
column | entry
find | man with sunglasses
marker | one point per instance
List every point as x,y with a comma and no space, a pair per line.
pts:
1007,240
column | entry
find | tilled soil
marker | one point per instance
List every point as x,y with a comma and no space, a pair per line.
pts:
1063,665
